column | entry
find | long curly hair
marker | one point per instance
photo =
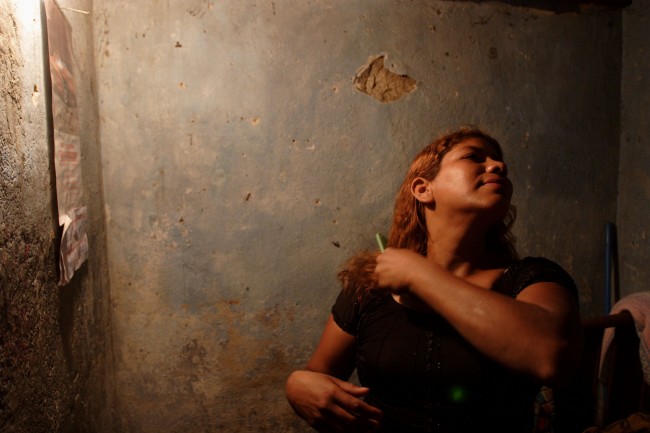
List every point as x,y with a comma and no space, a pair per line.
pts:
409,230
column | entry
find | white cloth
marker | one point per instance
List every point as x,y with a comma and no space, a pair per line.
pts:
638,304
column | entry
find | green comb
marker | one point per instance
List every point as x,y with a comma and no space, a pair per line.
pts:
381,241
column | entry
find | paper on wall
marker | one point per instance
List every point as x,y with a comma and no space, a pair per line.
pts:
67,147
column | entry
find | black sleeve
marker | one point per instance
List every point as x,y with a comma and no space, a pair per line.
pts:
346,311
533,270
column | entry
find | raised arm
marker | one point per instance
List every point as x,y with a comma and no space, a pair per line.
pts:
321,395
537,333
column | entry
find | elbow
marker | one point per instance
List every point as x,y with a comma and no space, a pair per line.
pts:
558,355
558,362
550,372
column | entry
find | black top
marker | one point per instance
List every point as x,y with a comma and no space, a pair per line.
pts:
425,376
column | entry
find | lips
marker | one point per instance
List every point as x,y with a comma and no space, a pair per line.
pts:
497,182
496,179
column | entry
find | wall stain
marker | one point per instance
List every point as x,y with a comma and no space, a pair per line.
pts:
381,83
227,377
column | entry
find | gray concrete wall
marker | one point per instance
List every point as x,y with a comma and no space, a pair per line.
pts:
55,363
242,166
634,177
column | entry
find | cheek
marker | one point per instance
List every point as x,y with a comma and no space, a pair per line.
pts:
455,179
447,186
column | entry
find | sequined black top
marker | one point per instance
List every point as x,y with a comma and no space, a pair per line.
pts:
425,376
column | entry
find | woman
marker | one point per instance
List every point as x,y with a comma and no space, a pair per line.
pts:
447,329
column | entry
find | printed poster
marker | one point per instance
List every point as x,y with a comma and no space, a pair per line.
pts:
67,146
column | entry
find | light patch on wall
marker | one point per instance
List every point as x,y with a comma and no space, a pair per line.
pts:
219,177
35,95
381,83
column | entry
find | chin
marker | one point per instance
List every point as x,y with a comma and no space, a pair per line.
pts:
497,213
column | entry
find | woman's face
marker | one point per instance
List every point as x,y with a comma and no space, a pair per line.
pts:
472,178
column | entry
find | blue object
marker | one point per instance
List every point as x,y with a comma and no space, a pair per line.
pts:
609,255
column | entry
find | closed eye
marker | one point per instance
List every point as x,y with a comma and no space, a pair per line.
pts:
476,157
479,154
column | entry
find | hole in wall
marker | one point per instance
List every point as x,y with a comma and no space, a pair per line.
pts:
381,83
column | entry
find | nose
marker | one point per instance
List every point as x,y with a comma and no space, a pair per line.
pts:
498,167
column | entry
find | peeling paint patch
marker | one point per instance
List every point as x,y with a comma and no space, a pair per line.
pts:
35,95
381,83
219,177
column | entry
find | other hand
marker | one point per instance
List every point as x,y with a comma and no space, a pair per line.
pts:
396,268
330,405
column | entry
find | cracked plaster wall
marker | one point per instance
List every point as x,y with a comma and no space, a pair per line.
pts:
242,166
634,179
55,357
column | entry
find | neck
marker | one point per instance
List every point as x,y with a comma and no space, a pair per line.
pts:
459,245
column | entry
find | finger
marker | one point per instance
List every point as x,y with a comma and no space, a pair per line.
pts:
356,407
348,398
350,388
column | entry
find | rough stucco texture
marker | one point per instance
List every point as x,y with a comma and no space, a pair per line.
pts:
242,166
53,340
634,181
29,333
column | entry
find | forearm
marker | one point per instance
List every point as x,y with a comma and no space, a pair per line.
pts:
531,334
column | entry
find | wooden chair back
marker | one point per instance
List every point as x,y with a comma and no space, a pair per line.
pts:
598,398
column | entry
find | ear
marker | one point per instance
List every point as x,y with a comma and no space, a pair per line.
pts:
421,190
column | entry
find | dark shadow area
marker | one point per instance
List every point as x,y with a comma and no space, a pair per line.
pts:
561,6
620,383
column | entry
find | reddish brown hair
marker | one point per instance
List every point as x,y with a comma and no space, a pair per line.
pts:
409,230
